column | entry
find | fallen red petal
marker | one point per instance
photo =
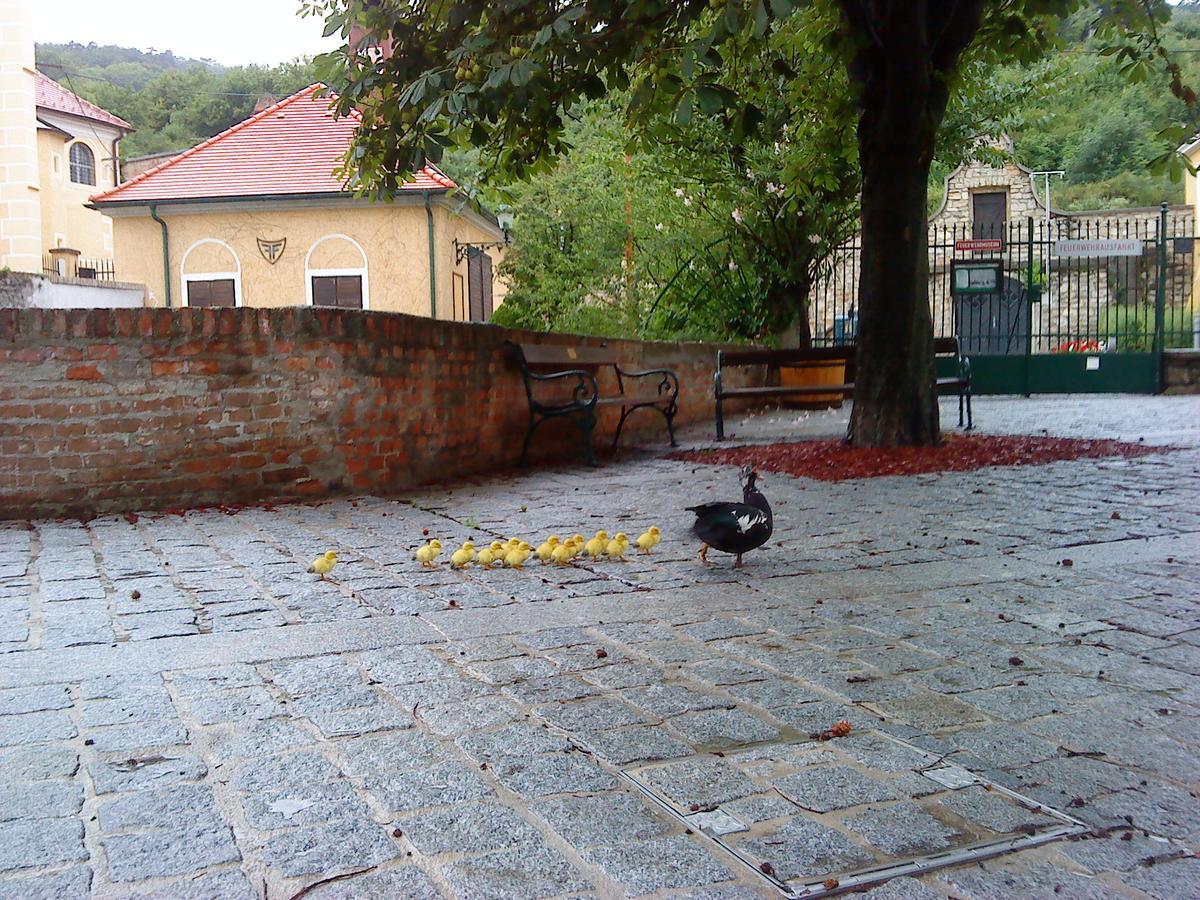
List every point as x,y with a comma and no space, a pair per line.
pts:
832,460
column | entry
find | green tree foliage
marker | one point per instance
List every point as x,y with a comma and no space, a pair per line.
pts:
172,102
504,76
741,222
1101,126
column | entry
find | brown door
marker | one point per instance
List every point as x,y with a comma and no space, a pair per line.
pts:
341,291
479,284
211,293
989,212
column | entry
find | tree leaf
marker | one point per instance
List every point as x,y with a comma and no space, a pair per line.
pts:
683,110
761,20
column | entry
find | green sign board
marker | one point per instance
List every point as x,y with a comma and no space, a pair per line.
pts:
975,277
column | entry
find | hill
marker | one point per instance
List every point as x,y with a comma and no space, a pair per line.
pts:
173,102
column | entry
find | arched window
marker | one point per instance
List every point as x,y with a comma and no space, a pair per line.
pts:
335,270
83,164
211,274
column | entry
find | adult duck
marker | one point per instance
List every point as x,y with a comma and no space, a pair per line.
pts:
735,528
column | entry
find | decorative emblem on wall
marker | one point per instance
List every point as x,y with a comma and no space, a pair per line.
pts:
271,250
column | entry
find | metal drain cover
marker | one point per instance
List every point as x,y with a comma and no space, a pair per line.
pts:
817,819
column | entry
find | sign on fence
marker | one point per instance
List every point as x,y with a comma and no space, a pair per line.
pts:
1092,247
968,277
982,245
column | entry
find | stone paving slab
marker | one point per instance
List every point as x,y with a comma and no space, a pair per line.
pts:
185,713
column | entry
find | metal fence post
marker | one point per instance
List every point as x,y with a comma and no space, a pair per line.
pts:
1160,298
1028,311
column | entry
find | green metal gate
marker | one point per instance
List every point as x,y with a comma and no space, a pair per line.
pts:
1071,315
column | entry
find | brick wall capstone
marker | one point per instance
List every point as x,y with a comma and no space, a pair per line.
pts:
120,409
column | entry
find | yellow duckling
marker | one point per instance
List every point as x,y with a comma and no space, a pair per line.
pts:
487,557
563,554
617,546
545,552
323,564
515,558
460,557
427,554
649,539
596,545
497,547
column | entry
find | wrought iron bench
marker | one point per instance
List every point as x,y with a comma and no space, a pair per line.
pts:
953,375
573,370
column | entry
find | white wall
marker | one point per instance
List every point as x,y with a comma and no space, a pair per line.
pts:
24,291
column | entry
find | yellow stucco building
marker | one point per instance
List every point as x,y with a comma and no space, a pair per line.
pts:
257,216
1191,188
56,150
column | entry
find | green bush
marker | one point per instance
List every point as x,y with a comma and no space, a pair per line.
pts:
1133,327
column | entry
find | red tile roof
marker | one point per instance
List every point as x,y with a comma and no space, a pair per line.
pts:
291,148
49,94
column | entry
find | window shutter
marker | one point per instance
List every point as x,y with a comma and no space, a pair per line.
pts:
199,293
216,293
349,291
485,278
475,284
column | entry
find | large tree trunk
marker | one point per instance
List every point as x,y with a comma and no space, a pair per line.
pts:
907,51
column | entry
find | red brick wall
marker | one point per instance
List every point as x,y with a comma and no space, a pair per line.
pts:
104,410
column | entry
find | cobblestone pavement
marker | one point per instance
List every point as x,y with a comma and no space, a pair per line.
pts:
185,713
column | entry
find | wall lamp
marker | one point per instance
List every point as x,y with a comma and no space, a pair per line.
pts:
504,218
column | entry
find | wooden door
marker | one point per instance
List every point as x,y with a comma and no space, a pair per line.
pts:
988,213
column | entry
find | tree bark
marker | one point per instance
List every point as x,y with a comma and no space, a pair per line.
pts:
906,53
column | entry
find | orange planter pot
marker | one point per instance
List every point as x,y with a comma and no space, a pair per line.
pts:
814,374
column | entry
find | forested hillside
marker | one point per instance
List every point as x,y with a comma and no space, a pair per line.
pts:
1078,112
172,102
1089,119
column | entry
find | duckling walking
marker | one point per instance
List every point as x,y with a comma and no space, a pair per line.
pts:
597,545
463,555
545,552
515,558
427,554
488,556
615,549
323,564
649,539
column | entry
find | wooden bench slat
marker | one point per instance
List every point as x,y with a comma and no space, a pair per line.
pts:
781,391
565,357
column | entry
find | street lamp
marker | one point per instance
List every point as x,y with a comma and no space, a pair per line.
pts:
504,218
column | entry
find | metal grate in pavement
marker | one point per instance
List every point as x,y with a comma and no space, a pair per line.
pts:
817,819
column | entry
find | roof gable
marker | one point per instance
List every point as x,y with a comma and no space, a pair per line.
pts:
49,94
289,149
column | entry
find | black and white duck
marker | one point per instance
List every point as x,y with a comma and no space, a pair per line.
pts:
735,527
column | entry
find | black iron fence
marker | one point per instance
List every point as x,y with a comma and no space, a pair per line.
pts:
1070,284
92,269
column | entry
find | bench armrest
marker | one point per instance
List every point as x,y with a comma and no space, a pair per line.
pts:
585,393
668,380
